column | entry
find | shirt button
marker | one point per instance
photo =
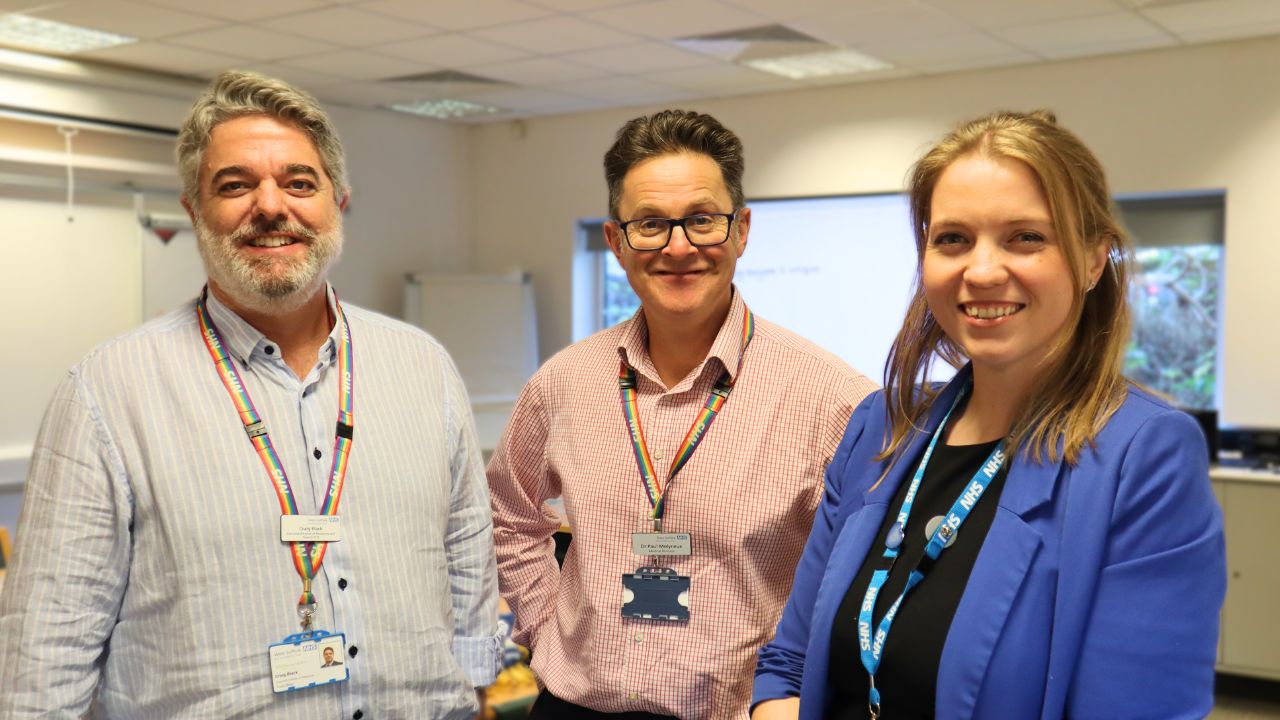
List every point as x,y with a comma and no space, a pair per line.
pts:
357,715
352,650
342,583
639,637
317,453
269,350
633,696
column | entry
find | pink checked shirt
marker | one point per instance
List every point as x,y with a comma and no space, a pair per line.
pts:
747,497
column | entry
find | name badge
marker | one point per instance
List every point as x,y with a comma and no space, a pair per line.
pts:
308,660
310,528
661,544
655,593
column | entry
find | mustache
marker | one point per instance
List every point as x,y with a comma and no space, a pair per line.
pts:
254,229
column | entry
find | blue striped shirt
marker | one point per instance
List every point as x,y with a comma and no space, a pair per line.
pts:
149,577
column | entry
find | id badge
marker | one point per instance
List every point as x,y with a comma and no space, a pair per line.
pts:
308,660
655,593
658,544
310,528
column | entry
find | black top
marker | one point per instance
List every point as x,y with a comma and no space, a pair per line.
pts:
908,674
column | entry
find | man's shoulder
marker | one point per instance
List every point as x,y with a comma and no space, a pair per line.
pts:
148,338
379,327
794,349
599,347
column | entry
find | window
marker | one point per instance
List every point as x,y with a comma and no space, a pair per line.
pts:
1176,294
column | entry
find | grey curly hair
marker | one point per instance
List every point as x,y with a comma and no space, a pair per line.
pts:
237,93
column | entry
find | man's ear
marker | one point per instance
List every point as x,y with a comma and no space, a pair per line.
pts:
743,221
613,236
186,205
342,203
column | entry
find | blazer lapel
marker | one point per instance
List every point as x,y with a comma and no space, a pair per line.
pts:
998,574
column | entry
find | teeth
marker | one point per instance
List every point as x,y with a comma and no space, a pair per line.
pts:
270,241
990,312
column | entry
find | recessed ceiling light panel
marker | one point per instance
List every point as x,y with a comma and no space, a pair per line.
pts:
445,109
33,33
818,64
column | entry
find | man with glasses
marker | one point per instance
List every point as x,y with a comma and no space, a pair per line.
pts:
688,444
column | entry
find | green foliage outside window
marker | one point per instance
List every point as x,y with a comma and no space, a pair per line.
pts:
1174,296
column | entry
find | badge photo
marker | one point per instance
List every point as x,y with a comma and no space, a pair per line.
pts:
308,660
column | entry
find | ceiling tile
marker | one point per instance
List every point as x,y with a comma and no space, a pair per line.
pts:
950,66
251,42
576,6
880,26
1003,13
165,58
1235,32
359,65
451,51
1196,19
305,79
676,18
348,27
784,10
533,99
537,71
1110,47
369,94
1077,36
240,10
126,18
459,14
627,90
555,35
722,79
639,58
931,52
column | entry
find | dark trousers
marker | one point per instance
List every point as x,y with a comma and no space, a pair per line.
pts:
550,707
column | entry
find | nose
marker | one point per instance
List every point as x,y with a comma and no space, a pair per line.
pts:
987,267
679,246
269,202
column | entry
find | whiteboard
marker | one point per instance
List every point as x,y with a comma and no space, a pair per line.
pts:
488,324
838,271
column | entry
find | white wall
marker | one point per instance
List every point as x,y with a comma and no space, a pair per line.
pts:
1187,118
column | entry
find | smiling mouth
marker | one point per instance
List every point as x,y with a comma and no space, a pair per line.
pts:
991,312
271,241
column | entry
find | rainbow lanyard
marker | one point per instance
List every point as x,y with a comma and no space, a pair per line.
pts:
307,556
715,401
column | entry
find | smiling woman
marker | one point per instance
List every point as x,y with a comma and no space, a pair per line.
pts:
1089,583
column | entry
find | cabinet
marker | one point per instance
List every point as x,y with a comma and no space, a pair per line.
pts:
1249,642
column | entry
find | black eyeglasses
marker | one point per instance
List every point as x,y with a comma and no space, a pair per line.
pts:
702,230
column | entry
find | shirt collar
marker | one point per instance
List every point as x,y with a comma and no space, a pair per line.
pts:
244,341
633,344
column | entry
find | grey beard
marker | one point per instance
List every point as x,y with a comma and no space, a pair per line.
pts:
255,283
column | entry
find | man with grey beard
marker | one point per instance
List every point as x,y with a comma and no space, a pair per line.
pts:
201,523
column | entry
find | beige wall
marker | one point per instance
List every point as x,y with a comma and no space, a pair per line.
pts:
1187,118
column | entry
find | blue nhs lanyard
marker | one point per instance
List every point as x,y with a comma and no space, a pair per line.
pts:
872,649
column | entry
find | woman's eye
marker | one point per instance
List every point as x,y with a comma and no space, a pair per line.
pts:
947,239
1030,237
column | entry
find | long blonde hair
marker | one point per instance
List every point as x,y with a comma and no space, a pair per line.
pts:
1082,385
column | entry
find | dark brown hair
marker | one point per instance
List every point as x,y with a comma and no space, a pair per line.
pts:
672,132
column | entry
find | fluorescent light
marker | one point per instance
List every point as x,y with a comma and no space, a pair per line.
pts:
445,109
818,64
35,33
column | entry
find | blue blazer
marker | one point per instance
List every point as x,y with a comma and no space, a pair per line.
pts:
1095,595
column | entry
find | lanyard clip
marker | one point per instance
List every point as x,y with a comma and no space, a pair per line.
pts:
657,524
